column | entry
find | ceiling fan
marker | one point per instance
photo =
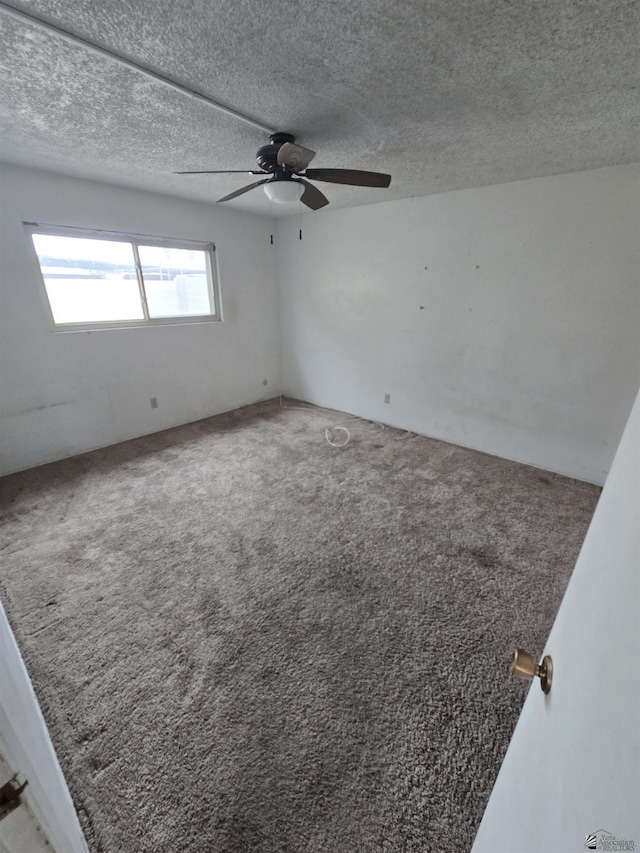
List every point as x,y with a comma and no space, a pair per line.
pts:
286,164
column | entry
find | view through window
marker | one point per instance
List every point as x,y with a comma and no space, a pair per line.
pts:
95,281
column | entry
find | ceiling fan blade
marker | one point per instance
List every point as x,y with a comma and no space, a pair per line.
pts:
243,190
312,196
223,172
295,156
353,177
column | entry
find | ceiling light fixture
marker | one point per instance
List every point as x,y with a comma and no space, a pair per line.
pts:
284,192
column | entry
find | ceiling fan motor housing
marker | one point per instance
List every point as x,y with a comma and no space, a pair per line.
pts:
267,156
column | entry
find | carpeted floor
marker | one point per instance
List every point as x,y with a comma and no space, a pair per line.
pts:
245,640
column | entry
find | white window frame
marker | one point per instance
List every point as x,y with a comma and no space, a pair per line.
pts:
135,240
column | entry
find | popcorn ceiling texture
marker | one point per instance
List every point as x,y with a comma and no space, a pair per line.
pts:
441,95
244,639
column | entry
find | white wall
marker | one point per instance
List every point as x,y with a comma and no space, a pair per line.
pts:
62,393
527,345
573,765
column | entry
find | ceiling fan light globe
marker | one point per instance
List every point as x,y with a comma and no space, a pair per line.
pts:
284,192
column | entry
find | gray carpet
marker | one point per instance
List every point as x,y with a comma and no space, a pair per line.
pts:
244,639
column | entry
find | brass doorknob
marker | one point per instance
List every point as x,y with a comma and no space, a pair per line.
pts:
523,665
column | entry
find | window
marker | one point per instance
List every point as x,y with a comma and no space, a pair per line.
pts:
97,279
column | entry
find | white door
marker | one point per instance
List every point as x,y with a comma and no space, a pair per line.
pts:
26,749
570,780
19,830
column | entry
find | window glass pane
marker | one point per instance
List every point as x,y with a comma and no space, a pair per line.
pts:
89,281
176,281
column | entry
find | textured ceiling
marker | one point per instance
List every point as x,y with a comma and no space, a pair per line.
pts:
443,94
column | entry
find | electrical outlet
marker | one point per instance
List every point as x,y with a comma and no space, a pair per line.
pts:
154,402
387,398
